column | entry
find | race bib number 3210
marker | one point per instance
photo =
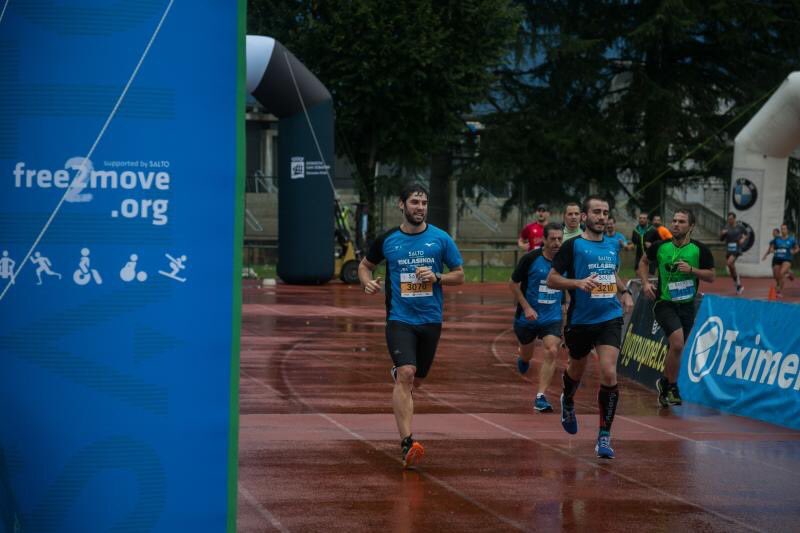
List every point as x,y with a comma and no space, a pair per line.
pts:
607,287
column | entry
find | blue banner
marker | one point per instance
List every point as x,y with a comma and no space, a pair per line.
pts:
743,357
121,135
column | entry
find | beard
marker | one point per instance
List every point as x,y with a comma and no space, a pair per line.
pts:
595,227
411,218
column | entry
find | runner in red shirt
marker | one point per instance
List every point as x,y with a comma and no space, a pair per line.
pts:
532,236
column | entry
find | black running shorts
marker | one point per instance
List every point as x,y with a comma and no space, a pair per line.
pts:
414,345
581,338
526,334
779,262
673,316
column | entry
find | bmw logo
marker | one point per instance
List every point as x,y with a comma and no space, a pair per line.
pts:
745,194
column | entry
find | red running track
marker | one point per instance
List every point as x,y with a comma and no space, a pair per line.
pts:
319,450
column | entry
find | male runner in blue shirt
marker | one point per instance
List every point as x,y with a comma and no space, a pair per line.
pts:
415,253
594,318
538,314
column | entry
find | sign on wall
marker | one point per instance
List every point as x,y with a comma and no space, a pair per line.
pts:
121,127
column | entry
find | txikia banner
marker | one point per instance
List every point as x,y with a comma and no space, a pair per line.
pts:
121,130
743,357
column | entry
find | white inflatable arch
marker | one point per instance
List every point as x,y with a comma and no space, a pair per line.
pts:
760,166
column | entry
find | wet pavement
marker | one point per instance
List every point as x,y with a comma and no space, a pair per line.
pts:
319,450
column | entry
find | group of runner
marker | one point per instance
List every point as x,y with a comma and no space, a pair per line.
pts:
568,293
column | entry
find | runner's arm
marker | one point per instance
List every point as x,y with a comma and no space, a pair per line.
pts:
530,312
365,270
644,277
627,297
454,277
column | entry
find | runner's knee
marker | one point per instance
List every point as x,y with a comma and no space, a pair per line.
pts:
405,374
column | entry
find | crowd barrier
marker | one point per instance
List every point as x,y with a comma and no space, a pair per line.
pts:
742,356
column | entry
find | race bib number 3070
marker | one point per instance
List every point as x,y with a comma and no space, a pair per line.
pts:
411,287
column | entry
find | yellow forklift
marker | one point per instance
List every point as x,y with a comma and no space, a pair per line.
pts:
347,254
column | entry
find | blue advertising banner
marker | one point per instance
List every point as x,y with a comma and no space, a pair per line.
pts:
121,138
743,357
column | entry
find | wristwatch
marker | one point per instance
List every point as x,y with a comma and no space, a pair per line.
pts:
438,277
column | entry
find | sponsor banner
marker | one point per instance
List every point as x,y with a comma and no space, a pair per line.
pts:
121,138
744,366
644,347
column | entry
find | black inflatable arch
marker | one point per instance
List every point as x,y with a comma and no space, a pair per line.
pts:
288,90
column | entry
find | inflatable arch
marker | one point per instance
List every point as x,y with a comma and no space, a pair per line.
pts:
288,90
760,165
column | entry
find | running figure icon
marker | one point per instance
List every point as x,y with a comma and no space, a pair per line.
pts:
44,265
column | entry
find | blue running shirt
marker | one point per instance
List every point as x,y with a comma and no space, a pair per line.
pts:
408,300
580,258
531,274
783,248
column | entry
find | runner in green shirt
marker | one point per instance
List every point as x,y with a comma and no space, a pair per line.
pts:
682,262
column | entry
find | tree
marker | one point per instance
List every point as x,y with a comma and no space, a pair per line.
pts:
402,74
615,88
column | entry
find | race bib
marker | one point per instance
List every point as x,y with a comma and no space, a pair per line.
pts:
782,252
733,246
410,287
546,294
607,287
681,290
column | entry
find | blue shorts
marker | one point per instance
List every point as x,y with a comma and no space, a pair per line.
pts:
527,333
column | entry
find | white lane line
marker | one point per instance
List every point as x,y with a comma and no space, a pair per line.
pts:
630,479
265,514
701,443
345,429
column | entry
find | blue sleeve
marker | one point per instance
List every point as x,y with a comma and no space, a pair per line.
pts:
452,257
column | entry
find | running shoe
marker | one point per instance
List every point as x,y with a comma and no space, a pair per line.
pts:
413,452
790,275
393,372
674,395
603,447
739,289
568,418
542,405
662,385
522,365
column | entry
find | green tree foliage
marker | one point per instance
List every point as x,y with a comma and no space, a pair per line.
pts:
599,90
402,74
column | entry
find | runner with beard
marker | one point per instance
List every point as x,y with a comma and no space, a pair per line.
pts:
415,254
594,319
681,262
